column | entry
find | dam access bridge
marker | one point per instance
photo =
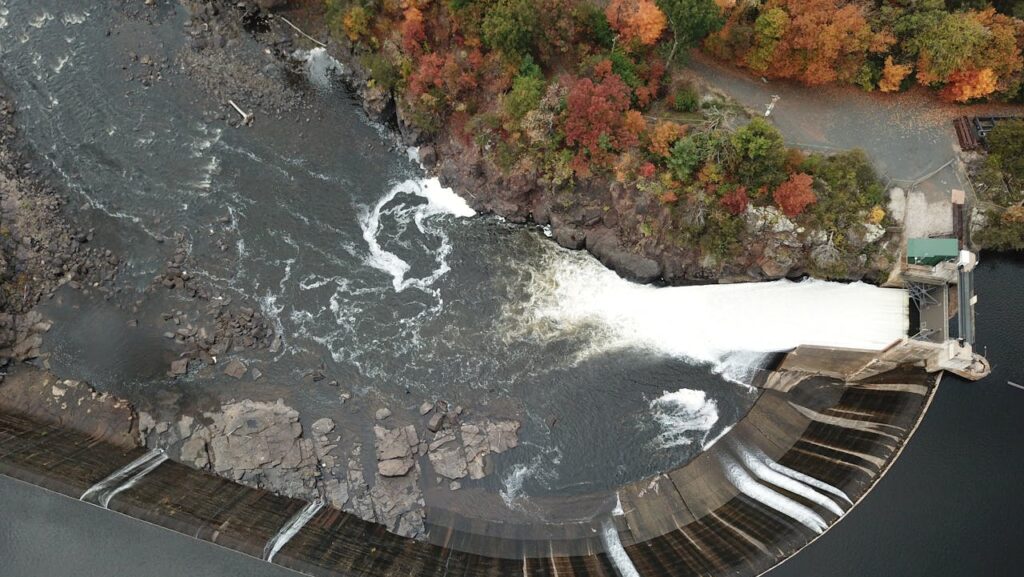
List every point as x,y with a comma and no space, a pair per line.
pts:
939,275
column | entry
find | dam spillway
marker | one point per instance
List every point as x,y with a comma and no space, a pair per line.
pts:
814,442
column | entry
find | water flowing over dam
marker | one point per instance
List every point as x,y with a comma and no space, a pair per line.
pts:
809,449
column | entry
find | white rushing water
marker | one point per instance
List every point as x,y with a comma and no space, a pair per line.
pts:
683,413
728,326
291,528
439,201
616,552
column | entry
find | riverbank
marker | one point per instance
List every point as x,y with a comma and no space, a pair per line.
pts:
634,226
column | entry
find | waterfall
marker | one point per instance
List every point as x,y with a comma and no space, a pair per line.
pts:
291,528
616,552
101,493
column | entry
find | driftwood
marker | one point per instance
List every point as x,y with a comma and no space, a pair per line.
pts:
247,117
297,29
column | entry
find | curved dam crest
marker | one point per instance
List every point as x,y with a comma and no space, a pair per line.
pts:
810,449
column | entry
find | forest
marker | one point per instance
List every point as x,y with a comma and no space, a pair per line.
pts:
570,90
966,50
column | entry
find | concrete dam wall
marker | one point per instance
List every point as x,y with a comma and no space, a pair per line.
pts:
812,446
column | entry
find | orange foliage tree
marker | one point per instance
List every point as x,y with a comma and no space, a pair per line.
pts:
796,194
893,75
413,31
967,85
636,20
822,43
663,136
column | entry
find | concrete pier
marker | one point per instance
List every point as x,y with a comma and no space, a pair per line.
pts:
826,427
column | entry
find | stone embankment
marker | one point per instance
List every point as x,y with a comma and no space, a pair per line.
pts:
815,442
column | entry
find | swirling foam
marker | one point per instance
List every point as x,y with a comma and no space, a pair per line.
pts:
440,201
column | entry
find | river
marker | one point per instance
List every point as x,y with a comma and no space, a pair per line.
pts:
949,507
389,281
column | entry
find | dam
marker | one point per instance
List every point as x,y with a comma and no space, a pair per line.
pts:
814,443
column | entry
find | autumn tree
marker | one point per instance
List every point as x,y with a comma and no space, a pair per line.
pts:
795,194
690,21
822,42
893,75
413,31
735,201
597,119
964,85
638,21
663,135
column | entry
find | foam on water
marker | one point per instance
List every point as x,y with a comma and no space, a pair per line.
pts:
571,295
440,201
683,413
320,66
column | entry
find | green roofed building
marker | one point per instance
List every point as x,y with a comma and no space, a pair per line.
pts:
932,251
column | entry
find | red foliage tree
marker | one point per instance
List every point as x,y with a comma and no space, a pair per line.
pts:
735,201
796,194
596,119
413,31
426,76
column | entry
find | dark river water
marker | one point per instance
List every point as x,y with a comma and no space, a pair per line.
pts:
384,277
950,507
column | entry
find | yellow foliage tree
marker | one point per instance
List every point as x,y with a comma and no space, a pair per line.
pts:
636,20
893,75
877,215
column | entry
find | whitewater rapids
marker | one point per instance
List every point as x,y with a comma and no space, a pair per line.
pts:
733,327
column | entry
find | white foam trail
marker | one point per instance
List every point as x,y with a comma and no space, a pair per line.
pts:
119,476
40,20
440,200
681,413
806,479
69,18
762,471
573,295
616,552
766,496
134,480
512,485
291,528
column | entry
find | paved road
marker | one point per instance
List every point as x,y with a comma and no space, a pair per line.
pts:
908,136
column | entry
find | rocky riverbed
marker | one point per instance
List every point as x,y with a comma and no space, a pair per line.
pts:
47,251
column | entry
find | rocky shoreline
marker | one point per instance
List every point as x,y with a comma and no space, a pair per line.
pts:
611,220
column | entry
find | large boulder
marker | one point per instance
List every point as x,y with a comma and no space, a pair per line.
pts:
603,244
